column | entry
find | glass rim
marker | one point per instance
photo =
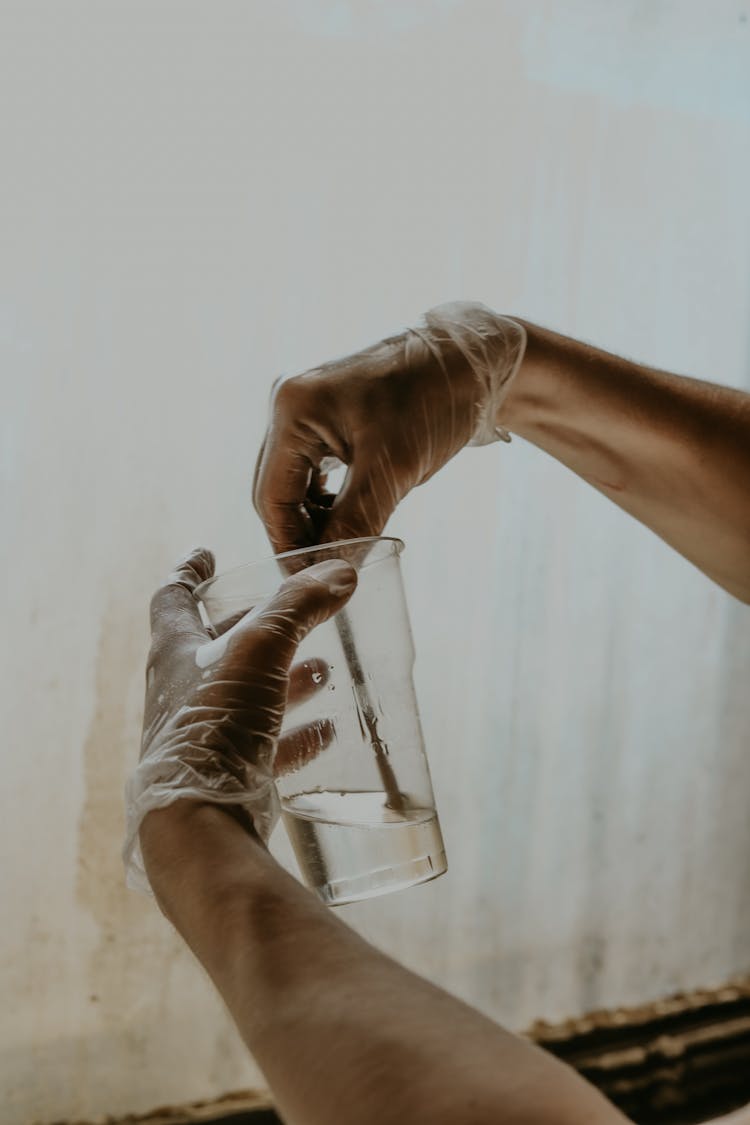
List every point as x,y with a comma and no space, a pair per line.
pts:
198,592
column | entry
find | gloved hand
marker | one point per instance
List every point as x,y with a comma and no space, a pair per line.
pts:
214,706
394,413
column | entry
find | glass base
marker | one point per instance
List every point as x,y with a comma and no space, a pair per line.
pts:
382,882
352,845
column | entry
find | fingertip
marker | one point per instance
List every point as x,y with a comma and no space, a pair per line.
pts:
194,567
202,560
338,577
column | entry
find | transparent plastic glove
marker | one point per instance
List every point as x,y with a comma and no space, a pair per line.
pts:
214,705
394,413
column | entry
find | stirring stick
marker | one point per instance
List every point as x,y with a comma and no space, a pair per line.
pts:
395,798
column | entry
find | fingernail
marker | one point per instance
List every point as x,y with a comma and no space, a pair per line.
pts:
337,575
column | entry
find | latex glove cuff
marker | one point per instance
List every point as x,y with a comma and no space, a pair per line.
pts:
493,347
178,765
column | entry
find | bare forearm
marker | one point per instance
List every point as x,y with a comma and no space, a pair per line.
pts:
674,452
341,1031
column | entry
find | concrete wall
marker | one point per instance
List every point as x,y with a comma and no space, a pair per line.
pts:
197,196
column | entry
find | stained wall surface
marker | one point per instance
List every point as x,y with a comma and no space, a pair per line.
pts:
196,197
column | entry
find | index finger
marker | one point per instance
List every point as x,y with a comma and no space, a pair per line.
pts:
282,477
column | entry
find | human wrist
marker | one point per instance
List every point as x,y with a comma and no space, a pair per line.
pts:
535,393
480,351
242,914
192,849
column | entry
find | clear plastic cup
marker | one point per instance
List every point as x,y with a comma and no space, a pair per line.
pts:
356,797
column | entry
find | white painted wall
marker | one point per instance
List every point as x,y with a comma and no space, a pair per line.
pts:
197,196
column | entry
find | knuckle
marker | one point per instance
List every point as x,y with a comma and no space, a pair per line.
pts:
285,393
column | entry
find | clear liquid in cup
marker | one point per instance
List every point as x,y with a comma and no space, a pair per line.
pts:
351,846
